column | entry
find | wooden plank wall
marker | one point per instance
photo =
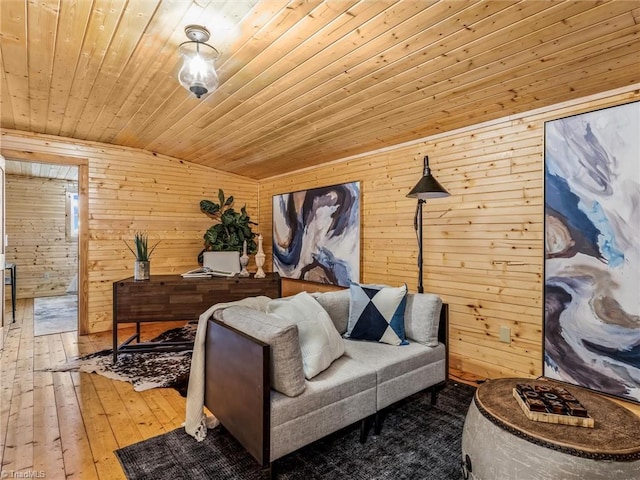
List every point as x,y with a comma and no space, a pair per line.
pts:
133,190
36,222
483,245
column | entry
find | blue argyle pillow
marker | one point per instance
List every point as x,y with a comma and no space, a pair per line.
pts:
376,313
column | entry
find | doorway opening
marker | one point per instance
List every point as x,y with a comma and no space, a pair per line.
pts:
42,225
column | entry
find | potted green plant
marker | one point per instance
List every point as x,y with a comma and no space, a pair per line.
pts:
232,230
142,252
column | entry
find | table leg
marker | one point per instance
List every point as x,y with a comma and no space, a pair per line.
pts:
14,282
126,345
115,342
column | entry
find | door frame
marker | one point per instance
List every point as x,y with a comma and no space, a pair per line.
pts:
83,216
3,317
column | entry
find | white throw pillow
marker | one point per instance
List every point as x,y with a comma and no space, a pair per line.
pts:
320,342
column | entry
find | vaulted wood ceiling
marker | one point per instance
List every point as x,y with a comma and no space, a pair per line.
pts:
302,82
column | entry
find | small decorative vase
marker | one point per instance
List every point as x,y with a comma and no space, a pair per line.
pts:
244,261
260,259
141,271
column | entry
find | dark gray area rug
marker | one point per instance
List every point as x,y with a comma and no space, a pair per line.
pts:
418,441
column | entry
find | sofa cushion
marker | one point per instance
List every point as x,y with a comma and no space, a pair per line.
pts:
287,374
345,378
376,313
390,362
422,318
320,342
400,371
336,305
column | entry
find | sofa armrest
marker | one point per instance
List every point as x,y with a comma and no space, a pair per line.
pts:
237,386
443,326
443,334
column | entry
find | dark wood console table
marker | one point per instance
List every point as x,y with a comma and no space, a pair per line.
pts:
166,298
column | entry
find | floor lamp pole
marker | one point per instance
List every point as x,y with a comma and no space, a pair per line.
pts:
419,219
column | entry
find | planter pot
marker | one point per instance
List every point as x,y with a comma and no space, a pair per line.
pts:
222,261
141,271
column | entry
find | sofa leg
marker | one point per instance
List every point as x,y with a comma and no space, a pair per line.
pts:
364,429
434,395
378,421
268,472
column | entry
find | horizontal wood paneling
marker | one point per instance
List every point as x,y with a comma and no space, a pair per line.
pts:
483,245
133,190
46,261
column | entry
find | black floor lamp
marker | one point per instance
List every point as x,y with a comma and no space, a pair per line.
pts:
427,187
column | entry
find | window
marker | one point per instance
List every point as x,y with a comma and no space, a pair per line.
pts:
72,216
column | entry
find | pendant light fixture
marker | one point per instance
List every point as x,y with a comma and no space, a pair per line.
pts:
198,73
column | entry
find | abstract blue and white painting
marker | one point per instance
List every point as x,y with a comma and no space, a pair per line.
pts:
592,250
316,234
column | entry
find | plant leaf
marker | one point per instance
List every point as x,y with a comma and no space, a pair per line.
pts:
207,206
232,229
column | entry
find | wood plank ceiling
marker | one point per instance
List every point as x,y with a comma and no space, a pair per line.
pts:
302,82
41,170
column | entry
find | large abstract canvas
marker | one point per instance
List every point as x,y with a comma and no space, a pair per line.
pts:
316,234
592,250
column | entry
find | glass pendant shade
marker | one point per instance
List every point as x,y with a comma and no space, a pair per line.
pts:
198,73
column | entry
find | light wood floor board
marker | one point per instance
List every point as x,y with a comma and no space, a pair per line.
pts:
67,424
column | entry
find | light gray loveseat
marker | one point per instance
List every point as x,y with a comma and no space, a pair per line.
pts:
255,387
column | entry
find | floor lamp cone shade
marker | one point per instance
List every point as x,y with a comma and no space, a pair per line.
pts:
427,187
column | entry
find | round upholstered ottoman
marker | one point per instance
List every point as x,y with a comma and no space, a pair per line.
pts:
500,442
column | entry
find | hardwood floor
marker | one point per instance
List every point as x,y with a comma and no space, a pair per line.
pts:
67,424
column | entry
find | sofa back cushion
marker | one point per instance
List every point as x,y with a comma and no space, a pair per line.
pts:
336,304
287,374
421,315
422,318
320,342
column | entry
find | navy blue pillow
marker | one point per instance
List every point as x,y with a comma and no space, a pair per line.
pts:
376,313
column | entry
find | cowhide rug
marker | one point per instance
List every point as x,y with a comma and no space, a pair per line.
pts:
144,370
